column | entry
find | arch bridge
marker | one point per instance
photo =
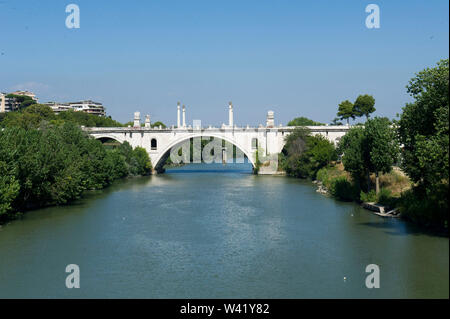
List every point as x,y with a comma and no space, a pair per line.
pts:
158,141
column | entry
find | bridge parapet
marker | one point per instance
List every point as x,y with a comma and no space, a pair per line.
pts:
313,129
159,141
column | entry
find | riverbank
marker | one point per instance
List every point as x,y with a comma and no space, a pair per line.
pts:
395,192
55,165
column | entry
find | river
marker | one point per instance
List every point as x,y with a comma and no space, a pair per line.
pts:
213,231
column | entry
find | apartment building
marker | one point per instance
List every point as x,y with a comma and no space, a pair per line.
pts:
8,104
88,106
59,107
26,93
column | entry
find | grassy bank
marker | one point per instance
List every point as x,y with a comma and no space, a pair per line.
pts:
396,192
334,178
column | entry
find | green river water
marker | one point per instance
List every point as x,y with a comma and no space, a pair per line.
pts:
213,231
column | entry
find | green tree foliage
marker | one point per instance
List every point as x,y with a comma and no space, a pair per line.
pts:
369,149
304,155
303,121
346,111
423,131
29,118
88,120
140,163
354,157
335,121
159,123
9,188
35,115
424,126
54,164
364,105
342,189
153,125
381,146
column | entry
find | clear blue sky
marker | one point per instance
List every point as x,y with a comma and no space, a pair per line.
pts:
298,58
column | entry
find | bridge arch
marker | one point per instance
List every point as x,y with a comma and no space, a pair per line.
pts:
163,154
108,136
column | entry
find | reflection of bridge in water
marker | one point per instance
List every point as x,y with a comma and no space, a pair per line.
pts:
268,140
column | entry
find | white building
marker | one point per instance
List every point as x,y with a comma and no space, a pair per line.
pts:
88,106
59,107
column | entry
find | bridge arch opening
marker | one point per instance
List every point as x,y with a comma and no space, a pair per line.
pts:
109,141
228,153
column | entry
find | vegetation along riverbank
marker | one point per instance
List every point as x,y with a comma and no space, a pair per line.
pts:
402,164
46,159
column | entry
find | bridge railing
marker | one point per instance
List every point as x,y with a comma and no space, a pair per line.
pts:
324,128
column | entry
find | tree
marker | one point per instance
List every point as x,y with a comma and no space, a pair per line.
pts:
88,120
28,118
303,154
364,105
303,121
335,121
369,149
424,127
55,164
158,123
141,161
43,111
354,157
424,134
346,111
9,189
381,145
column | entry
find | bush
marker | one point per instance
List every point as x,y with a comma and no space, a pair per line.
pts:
305,155
369,197
9,189
342,189
385,198
140,164
426,208
322,175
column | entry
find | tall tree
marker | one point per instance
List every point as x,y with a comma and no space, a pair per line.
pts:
303,121
346,111
382,147
369,149
424,127
354,155
335,121
364,105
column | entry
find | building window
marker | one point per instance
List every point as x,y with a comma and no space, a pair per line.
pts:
254,143
153,144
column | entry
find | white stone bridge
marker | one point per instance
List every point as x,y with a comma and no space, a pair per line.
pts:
158,141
